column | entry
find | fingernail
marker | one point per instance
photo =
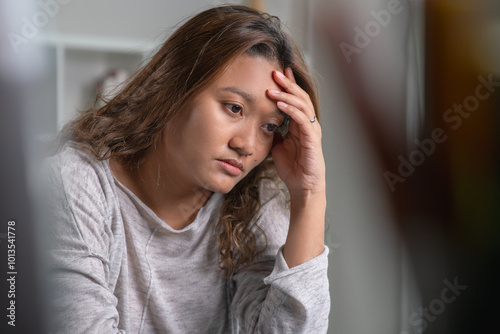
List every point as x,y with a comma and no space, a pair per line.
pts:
274,91
280,74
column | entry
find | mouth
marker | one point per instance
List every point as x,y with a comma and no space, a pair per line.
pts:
231,166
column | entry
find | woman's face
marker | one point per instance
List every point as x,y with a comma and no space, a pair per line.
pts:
227,130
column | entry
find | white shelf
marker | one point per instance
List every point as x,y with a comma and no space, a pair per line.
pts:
83,42
81,61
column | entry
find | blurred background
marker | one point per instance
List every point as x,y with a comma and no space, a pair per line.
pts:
409,104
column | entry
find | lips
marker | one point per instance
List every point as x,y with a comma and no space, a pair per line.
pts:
234,163
231,166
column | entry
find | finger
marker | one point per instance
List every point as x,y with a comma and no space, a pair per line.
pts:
304,106
289,74
289,85
296,114
294,95
301,124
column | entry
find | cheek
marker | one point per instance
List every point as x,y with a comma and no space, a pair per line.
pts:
201,131
262,154
267,145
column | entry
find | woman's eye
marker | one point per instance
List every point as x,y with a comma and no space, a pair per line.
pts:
271,127
234,108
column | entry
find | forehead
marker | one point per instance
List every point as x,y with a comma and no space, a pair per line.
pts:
251,74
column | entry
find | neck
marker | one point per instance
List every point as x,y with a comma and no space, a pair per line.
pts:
158,186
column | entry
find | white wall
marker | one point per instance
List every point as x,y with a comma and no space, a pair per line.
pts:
371,286
143,20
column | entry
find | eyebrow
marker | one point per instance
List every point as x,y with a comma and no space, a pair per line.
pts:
243,94
248,97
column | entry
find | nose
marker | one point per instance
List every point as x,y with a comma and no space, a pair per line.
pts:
244,142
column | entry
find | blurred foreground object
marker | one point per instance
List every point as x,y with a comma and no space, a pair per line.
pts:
20,301
463,98
438,148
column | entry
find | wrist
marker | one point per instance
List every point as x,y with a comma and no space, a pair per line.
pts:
308,198
306,232
309,209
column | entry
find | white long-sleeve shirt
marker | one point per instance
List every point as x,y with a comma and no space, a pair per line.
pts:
117,268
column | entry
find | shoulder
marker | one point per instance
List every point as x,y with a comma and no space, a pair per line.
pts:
72,159
73,167
81,183
82,199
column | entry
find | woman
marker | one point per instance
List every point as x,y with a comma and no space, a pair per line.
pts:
169,213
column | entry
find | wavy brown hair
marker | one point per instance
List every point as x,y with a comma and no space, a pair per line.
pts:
132,122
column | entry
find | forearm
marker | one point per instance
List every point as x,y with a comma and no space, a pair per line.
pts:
271,297
305,239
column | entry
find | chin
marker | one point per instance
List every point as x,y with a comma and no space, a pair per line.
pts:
221,186
223,189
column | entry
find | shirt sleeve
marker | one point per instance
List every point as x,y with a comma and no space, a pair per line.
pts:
80,236
268,297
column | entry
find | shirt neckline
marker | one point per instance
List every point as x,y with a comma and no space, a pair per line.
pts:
203,212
